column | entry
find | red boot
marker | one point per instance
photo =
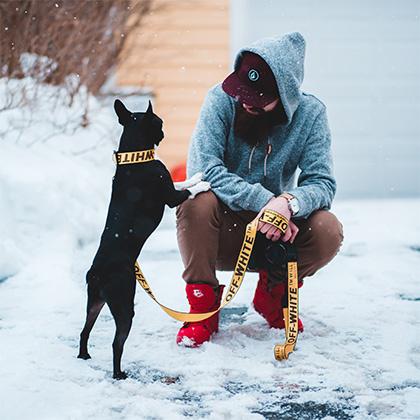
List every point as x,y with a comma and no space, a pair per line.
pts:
267,302
202,298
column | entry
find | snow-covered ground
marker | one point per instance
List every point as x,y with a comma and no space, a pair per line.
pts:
359,356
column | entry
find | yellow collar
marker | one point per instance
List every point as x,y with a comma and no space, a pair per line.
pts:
141,156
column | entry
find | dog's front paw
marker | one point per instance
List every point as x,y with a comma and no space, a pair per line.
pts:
198,188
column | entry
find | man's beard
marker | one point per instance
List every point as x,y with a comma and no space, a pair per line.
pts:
254,129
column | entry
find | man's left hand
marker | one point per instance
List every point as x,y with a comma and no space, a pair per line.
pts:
280,205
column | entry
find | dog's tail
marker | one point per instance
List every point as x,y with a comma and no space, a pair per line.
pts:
93,278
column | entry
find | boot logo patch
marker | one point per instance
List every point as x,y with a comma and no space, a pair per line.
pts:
198,293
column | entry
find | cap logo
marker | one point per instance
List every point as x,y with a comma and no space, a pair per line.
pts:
253,75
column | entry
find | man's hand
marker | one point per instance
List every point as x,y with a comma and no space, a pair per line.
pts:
280,205
190,182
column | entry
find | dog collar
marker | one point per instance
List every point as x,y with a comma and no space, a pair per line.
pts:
126,158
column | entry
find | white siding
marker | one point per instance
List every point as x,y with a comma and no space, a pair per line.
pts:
363,61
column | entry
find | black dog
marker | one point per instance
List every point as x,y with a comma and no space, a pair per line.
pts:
139,194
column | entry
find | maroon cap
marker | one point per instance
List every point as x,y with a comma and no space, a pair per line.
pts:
253,82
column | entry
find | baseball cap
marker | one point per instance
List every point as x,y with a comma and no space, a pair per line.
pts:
253,82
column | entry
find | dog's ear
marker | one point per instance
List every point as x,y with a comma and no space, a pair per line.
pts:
148,115
124,115
149,108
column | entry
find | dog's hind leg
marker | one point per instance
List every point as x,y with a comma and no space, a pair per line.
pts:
94,306
122,309
123,323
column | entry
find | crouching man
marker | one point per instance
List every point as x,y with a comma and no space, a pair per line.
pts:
255,130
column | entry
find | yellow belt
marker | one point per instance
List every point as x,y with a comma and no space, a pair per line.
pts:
291,313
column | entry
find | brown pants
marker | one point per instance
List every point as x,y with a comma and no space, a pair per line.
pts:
210,236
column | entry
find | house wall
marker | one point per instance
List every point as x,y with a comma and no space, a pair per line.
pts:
363,62
179,52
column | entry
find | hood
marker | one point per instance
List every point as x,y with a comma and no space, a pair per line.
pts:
285,55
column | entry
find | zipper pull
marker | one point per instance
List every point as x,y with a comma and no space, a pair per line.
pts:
268,149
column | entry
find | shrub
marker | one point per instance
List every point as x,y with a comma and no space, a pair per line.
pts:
50,40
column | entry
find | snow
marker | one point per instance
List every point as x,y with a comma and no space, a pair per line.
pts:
359,356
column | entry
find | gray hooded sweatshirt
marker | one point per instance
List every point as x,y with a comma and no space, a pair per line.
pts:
246,177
